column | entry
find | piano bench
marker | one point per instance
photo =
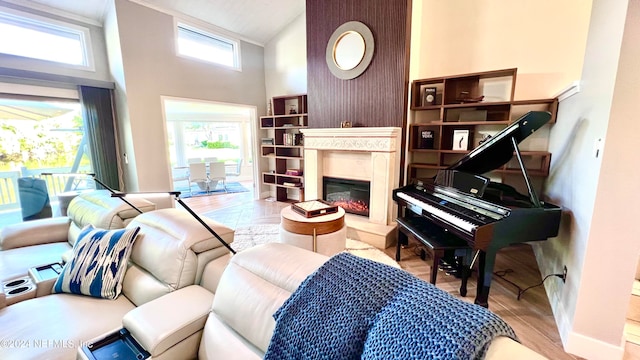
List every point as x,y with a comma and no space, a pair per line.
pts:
437,242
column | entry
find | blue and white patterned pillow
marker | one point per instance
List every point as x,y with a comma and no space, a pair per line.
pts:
99,263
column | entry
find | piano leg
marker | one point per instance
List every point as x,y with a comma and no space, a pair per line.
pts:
465,271
402,240
486,262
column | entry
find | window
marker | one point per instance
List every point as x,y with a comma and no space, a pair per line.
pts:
196,43
36,37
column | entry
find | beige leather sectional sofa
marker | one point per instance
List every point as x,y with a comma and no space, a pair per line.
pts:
44,241
183,295
237,321
169,253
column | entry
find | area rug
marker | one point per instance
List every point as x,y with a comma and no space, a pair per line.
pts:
232,187
246,237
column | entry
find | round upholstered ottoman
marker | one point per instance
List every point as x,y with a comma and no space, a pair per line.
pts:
324,234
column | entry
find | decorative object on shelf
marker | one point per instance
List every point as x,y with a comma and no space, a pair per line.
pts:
294,172
267,141
345,124
350,50
313,208
484,135
465,97
426,139
292,109
298,139
429,98
269,109
460,140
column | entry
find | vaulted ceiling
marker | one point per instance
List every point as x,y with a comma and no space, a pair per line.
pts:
254,20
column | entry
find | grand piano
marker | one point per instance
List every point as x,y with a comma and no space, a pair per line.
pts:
459,201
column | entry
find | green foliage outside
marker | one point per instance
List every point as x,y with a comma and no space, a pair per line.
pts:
218,145
40,144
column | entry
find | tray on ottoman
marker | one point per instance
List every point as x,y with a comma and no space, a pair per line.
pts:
313,208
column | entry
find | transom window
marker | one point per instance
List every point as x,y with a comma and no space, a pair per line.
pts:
36,37
199,44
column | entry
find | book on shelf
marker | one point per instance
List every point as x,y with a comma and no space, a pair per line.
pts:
289,183
287,139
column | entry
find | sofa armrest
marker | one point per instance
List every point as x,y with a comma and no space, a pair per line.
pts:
166,321
35,232
504,348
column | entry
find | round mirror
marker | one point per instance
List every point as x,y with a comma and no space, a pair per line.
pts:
349,50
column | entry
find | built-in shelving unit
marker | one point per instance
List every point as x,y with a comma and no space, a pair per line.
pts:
452,114
283,146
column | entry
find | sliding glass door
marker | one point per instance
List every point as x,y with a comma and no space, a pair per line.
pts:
39,136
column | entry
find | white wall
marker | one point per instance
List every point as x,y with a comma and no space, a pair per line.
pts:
544,39
285,60
599,240
116,69
151,70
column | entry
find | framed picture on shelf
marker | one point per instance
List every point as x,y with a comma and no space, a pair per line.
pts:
426,139
460,140
429,96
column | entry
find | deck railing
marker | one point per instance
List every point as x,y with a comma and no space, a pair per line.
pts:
9,190
56,184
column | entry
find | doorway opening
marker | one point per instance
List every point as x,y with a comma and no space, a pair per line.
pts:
204,132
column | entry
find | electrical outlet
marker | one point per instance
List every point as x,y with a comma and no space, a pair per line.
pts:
564,274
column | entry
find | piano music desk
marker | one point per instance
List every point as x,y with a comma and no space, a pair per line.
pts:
436,244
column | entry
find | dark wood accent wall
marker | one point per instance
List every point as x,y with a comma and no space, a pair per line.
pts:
379,96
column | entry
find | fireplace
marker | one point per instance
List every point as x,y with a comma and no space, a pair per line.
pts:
370,154
352,195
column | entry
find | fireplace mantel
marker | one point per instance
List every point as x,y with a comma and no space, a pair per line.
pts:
360,153
384,139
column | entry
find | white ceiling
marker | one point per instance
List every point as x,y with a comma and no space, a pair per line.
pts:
254,20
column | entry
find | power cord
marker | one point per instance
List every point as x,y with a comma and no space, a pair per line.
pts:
420,251
502,273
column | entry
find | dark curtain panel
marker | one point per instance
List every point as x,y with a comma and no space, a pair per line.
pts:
97,113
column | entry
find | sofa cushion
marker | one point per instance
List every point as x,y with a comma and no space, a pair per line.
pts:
99,263
257,280
101,210
17,262
168,253
34,232
53,326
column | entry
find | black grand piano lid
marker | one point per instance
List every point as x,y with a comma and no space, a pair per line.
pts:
498,150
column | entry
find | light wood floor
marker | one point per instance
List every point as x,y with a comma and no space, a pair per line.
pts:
531,316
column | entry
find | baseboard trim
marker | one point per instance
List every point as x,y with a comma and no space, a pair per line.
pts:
593,349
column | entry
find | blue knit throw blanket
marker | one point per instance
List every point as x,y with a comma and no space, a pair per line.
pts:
354,308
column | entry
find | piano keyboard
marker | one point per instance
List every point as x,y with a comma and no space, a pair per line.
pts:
445,216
